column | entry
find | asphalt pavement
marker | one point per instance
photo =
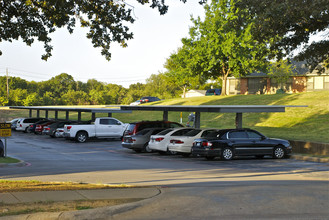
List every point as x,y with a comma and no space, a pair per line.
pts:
142,193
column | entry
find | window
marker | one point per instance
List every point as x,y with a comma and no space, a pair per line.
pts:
108,121
237,135
253,135
207,132
181,132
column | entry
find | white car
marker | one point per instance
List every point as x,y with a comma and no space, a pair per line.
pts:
183,144
24,123
160,141
138,102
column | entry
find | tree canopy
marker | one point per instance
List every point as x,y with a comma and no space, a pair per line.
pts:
221,45
106,20
293,22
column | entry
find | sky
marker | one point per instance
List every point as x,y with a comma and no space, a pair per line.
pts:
155,38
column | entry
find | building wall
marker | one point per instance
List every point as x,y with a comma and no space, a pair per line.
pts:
299,84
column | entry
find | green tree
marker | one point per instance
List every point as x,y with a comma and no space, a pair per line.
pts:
32,99
293,22
281,71
73,97
35,19
222,45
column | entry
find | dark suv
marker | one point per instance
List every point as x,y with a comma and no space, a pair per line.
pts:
135,127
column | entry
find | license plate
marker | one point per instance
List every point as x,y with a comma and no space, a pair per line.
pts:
198,144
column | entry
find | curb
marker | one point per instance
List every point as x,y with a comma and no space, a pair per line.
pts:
311,159
19,164
96,213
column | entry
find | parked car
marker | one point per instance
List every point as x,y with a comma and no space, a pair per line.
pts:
32,127
138,102
160,141
24,123
213,92
13,123
51,129
2,149
149,99
183,144
39,127
106,127
139,141
59,133
135,127
228,143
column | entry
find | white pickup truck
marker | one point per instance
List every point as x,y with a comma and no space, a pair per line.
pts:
106,127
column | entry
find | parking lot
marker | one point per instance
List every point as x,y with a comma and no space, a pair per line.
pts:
289,182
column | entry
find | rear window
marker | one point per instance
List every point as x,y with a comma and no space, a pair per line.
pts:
165,132
131,127
193,133
181,132
143,132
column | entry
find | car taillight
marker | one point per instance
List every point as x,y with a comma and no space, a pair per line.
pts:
158,139
20,125
47,129
206,144
68,127
176,141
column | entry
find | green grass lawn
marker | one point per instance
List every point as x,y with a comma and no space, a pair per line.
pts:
306,124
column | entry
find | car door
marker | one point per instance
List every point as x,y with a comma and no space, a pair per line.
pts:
260,144
109,127
239,141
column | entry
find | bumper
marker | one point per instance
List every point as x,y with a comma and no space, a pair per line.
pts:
205,153
132,146
180,149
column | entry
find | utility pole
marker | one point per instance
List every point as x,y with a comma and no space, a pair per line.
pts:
7,83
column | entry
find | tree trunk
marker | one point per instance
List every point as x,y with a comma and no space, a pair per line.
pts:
224,82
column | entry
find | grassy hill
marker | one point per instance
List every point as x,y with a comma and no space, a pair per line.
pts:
307,124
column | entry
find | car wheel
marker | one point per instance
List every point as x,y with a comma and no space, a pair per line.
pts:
2,153
210,157
279,153
146,148
81,136
56,134
26,130
227,154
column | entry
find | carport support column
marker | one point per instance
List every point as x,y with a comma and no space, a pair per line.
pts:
38,113
30,113
56,115
109,114
93,116
46,114
197,120
67,115
238,120
79,116
165,115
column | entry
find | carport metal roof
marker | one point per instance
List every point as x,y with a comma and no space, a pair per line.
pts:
109,110
238,109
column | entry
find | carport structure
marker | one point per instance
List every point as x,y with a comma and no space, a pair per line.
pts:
238,109
67,110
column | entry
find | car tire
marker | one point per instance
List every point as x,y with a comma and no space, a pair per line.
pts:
26,130
227,153
146,148
56,134
279,152
81,137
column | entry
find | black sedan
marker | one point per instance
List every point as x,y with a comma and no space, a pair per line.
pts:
228,143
